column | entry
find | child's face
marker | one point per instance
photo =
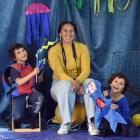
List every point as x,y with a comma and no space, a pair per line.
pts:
117,85
21,55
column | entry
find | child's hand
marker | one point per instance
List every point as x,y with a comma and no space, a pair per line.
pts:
35,71
105,93
114,106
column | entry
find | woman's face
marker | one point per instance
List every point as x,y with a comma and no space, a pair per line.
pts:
67,34
117,85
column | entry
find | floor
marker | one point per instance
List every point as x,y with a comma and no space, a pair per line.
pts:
52,135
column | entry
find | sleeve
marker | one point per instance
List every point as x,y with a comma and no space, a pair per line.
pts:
125,109
56,65
85,64
14,74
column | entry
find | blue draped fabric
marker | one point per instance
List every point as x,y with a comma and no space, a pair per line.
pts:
113,39
37,29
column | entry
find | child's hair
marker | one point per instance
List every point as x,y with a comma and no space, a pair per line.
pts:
13,47
119,75
66,22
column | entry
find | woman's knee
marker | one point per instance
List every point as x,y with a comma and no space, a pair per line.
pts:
61,90
60,87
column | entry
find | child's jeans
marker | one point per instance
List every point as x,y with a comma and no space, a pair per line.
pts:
20,103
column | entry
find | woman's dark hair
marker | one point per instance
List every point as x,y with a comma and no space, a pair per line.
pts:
66,22
13,47
119,75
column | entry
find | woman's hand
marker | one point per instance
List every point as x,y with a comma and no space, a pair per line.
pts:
80,91
75,86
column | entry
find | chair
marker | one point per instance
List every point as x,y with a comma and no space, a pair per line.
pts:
38,129
11,88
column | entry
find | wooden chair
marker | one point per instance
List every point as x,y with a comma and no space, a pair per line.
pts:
26,129
10,87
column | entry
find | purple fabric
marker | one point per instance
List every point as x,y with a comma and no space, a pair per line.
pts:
38,22
37,8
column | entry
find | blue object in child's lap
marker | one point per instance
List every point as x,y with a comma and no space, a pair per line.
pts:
103,107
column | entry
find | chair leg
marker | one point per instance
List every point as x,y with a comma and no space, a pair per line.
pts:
12,120
27,129
39,119
13,125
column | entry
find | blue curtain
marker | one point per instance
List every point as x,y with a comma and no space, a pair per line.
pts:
113,39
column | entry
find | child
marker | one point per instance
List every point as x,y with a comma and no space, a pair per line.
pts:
22,74
118,84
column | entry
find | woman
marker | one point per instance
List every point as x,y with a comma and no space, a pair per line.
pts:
70,62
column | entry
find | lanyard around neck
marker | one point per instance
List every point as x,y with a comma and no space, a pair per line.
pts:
64,54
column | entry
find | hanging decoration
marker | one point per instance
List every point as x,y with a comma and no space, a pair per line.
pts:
38,20
125,7
65,5
80,4
96,6
77,3
111,4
